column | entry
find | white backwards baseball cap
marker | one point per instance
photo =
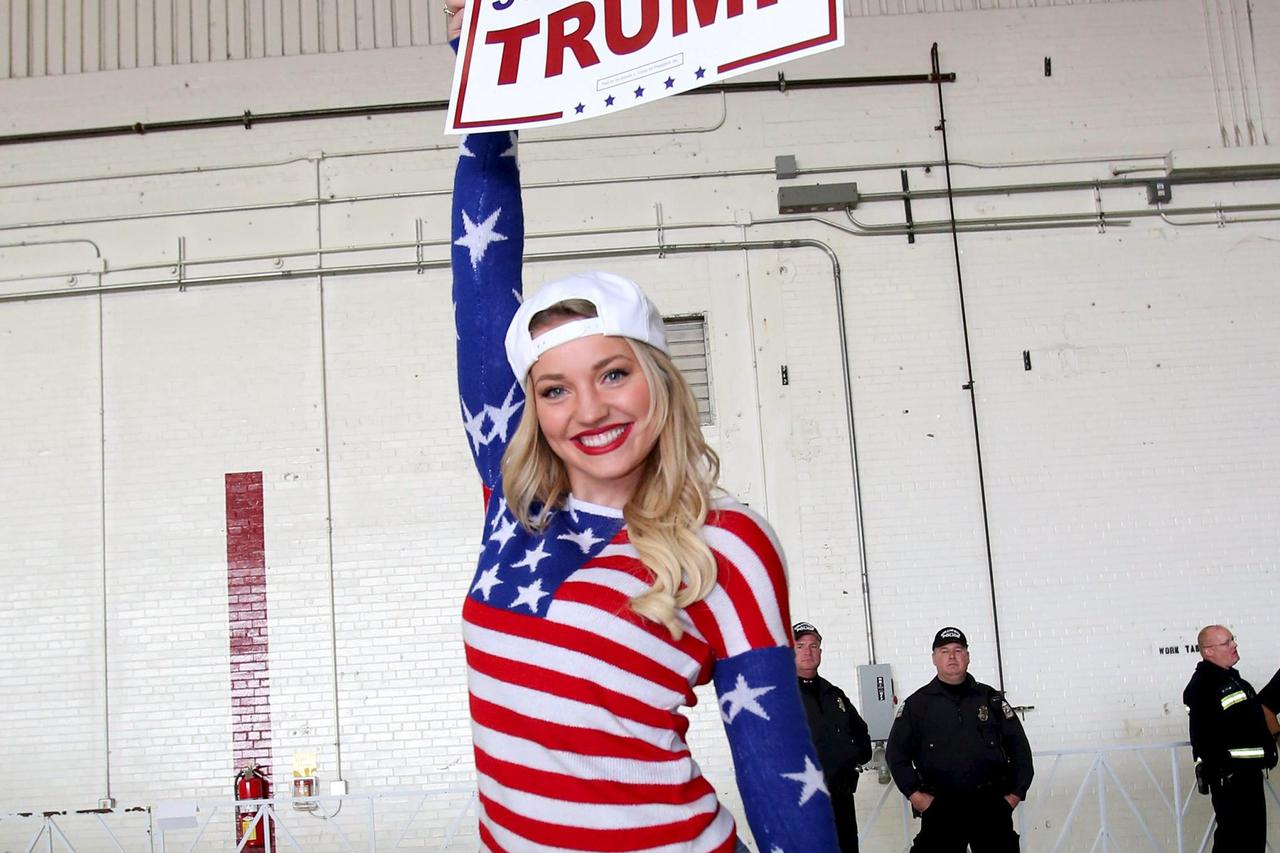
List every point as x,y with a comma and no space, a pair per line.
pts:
622,310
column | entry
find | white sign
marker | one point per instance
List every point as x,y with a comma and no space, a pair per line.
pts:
528,63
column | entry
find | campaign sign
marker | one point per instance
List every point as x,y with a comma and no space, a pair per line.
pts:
527,63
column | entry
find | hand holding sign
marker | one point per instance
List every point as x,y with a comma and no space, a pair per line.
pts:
454,9
525,63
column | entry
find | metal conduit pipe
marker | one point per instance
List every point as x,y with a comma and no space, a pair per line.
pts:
894,196
969,385
374,152
658,250
1159,163
859,229
248,119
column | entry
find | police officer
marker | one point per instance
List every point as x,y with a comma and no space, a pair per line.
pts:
958,753
838,733
1230,742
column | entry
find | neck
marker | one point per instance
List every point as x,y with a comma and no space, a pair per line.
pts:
954,680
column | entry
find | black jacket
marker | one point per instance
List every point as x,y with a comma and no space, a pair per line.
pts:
839,733
1228,729
943,742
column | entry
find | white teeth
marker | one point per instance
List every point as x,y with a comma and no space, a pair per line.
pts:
602,438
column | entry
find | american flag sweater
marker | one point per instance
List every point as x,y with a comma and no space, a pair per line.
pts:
575,700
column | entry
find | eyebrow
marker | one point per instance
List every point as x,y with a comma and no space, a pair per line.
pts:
599,365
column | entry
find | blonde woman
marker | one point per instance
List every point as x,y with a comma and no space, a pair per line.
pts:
610,582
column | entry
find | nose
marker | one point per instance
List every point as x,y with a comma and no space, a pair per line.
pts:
593,408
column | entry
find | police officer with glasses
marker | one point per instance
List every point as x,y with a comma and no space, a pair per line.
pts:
1230,742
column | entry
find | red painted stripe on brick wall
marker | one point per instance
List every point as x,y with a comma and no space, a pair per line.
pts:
247,622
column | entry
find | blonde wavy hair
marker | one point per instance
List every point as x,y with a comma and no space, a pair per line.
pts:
671,501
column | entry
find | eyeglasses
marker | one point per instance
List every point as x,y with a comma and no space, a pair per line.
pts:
1229,641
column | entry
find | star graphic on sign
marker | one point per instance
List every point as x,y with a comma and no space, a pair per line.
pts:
743,698
811,780
608,102
478,237
463,150
669,82
473,425
501,415
700,73
639,91
487,581
503,535
579,108
511,145
498,516
532,556
583,540
530,596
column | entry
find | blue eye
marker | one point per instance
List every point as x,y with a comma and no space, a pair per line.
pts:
552,392
616,374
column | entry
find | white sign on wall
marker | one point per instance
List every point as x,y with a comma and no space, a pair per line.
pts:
528,63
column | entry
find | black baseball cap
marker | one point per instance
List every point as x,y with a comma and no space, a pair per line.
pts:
801,628
950,635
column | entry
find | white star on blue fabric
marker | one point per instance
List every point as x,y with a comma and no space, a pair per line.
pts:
811,780
474,425
511,146
583,540
532,557
743,698
463,150
503,534
478,237
530,596
499,515
501,415
487,581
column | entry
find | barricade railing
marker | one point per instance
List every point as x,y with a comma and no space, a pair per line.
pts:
1107,799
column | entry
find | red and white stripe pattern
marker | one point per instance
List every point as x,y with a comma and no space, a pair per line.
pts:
578,736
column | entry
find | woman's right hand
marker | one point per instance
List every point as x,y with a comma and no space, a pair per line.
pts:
454,12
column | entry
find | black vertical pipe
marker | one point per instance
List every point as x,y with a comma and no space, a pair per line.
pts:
968,359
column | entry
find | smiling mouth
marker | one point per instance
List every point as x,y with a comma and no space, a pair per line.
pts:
602,441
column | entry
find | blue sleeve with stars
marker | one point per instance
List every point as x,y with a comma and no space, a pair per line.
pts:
774,761
488,245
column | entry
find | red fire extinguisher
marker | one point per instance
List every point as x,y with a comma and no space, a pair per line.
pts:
251,785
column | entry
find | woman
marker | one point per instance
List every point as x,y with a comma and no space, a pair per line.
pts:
610,583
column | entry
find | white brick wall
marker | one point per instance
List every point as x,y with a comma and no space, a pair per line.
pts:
1129,474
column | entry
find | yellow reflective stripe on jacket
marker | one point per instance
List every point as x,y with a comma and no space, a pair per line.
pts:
1247,752
1232,699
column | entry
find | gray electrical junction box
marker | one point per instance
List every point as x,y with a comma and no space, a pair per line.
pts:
876,699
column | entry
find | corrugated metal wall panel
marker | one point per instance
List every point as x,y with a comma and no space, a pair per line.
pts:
49,37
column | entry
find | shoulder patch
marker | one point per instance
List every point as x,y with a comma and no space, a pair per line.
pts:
1008,712
902,706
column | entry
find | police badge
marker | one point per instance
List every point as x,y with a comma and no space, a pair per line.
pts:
840,705
983,714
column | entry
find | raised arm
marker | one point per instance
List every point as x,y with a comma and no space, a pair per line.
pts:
488,242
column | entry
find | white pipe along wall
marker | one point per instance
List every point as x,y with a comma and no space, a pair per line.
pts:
183,306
